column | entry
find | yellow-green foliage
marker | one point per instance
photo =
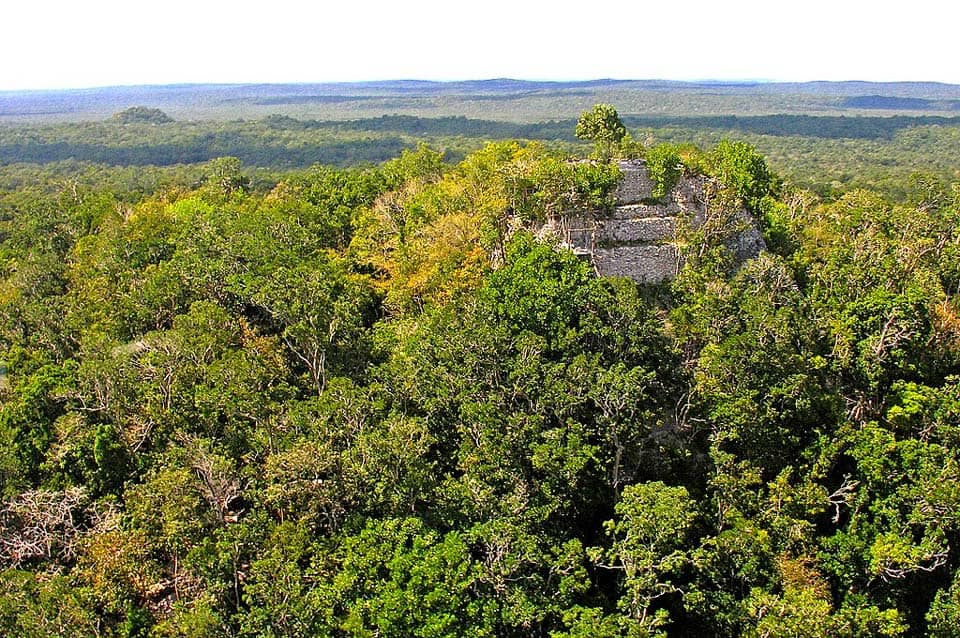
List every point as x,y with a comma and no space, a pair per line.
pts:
434,236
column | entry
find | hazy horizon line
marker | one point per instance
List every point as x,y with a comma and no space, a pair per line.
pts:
595,80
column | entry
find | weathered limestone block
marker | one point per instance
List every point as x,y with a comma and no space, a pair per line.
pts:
576,230
747,244
690,193
636,185
645,264
632,211
638,229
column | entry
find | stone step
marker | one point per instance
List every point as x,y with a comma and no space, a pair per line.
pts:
650,263
635,185
631,211
638,229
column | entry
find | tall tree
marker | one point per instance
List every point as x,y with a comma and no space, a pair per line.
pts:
602,125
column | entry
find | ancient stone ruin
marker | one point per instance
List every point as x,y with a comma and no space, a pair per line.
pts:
638,238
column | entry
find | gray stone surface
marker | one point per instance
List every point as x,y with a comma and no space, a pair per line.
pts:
630,211
748,244
636,184
638,229
645,264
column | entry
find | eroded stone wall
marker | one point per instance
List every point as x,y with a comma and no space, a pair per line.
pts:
637,239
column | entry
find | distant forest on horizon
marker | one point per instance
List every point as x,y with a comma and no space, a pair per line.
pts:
826,136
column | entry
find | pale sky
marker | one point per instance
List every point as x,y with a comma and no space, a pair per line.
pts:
77,43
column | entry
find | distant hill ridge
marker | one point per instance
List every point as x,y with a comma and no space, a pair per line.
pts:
849,87
497,98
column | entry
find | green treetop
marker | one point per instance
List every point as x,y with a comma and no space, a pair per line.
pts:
602,125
